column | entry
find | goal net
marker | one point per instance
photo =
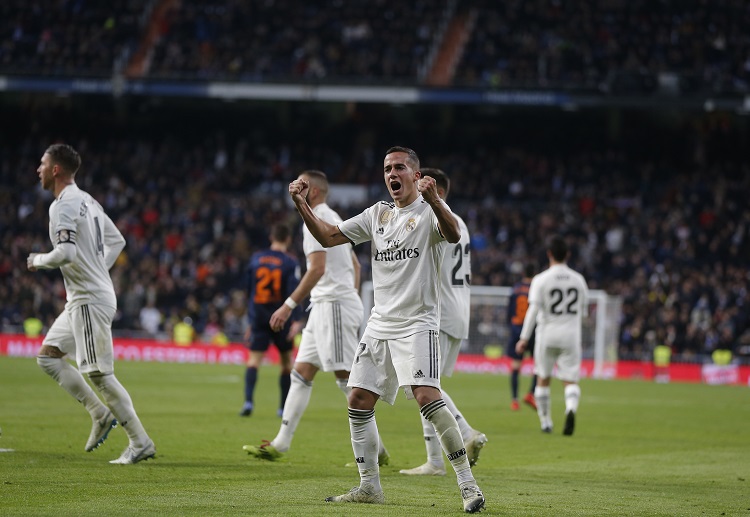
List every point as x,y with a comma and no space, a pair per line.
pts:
489,332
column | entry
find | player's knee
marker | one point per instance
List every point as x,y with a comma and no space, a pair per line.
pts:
51,351
425,394
49,365
98,379
361,399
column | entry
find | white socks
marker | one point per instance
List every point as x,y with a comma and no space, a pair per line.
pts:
463,425
543,404
450,438
431,443
294,407
118,400
71,380
365,440
572,396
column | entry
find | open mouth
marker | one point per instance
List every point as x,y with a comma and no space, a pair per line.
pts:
395,186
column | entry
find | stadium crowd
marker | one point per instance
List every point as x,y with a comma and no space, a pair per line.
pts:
670,236
620,46
295,39
76,38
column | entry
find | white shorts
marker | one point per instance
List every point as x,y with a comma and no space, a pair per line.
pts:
86,332
567,358
382,366
331,335
449,348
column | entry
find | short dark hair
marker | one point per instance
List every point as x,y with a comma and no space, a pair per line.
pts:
65,156
280,232
319,177
441,178
410,152
529,270
557,246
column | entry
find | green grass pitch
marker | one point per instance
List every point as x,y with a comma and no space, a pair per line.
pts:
639,449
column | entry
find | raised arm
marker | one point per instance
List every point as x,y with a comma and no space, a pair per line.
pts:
447,224
326,234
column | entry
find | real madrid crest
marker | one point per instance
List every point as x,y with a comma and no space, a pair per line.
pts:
411,224
386,216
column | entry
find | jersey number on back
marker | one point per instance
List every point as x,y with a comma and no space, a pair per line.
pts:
564,303
268,285
459,252
99,242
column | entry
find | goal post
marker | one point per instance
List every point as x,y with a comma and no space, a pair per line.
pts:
489,333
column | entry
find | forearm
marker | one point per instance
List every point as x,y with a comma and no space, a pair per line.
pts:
61,255
448,225
325,233
357,271
306,284
111,253
529,321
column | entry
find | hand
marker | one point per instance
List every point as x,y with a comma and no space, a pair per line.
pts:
298,190
279,317
294,329
521,346
428,188
30,261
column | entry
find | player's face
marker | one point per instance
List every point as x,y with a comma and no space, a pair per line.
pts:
45,172
400,178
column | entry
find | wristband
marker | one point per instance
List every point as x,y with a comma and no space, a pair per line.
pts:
290,303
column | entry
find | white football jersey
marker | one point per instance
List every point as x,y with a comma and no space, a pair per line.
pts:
77,219
406,256
338,279
455,279
561,295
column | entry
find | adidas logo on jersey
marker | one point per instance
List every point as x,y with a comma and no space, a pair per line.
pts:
361,459
418,374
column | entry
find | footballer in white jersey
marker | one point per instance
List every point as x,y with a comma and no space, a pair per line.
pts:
558,302
400,346
86,244
78,219
405,253
338,278
455,307
455,300
331,334
558,297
